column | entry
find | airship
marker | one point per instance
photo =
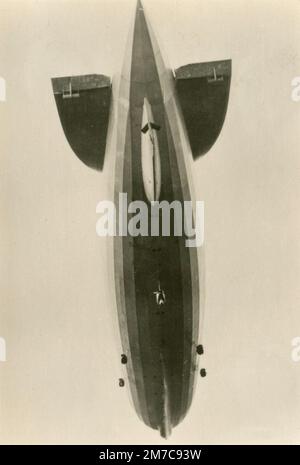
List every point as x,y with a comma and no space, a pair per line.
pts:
156,122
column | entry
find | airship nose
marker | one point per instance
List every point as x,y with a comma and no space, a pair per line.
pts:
165,430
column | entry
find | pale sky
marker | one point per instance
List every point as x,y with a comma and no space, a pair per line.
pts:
60,381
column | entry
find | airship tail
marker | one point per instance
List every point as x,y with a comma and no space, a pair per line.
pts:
83,104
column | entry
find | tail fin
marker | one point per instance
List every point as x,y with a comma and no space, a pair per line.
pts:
203,92
83,104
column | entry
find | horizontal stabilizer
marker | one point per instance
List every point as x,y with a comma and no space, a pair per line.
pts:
83,104
203,91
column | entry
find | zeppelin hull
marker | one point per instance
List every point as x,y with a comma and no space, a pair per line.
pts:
158,339
155,122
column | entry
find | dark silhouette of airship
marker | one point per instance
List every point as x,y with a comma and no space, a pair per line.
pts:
162,118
